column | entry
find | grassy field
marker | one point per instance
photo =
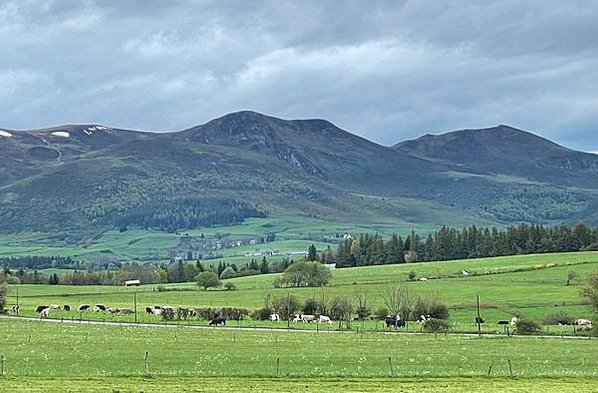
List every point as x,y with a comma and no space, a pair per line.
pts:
37,351
75,358
252,385
294,233
506,285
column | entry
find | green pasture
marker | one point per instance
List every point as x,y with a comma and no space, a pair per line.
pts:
65,350
506,286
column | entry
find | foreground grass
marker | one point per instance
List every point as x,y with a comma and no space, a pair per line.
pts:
170,384
73,351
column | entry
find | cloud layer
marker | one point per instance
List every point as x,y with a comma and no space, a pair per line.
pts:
389,71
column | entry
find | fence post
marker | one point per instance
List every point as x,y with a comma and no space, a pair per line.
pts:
391,368
277,367
146,364
490,368
510,368
1,365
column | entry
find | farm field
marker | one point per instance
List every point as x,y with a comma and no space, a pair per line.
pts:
59,353
293,234
506,285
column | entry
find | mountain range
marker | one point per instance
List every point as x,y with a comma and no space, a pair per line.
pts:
77,179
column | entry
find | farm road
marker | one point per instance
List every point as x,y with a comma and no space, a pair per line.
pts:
263,329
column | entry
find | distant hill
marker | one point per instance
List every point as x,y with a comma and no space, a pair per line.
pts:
81,179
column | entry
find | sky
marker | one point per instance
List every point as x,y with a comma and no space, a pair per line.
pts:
385,70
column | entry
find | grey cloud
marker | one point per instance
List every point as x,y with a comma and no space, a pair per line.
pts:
387,70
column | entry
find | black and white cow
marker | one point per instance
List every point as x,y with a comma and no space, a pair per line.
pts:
83,307
479,320
395,321
218,321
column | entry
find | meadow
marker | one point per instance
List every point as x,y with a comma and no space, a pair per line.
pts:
113,356
506,286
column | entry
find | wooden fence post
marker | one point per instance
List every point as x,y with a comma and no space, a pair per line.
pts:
1,365
391,368
277,367
490,368
510,368
146,364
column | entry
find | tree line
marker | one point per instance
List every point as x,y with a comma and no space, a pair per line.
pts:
187,213
450,243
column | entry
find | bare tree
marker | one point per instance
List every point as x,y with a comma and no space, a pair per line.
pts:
571,275
399,300
590,290
342,309
3,294
363,303
324,303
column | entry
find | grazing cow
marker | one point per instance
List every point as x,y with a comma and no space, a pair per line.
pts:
297,318
149,310
99,308
394,320
39,309
84,307
423,318
308,318
55,307
479,320
16,309
423,279
45,313
126,311
503,322
66,307
112,310
584,324
324,319
274,317
218,321
514,321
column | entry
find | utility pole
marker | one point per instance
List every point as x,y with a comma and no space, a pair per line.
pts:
135,305
479,319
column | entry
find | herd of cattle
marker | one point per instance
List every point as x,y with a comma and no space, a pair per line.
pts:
392,321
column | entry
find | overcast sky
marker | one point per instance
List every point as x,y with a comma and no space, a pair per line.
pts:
388,71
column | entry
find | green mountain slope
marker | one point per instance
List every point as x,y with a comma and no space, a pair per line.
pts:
84,179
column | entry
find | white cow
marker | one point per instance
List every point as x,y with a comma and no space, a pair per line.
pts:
45,312
274,317
584,324
297,318
324,319
308,318
514,321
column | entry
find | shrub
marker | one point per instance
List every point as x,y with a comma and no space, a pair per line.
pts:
227,273
286,306
261,314
307,274
382,313
206,313
560,318
527,326
310,306
233,313
434,325
207,280
229,286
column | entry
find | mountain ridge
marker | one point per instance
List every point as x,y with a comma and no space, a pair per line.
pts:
88,177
